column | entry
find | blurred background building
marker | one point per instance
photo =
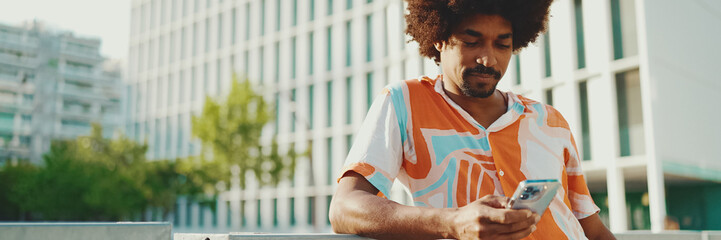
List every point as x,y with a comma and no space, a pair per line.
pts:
53,85
634,78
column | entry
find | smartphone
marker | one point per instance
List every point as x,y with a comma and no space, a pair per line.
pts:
534,195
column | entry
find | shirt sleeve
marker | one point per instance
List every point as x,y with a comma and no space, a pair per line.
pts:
377,149
582,204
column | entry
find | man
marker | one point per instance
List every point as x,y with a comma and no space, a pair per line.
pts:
459,145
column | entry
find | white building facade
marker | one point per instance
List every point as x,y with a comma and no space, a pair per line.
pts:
603,64
53,85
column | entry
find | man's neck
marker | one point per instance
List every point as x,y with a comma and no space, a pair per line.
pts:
484,110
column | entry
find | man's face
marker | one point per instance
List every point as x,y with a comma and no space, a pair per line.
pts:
476,55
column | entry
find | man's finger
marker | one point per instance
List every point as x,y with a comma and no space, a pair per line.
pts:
511,228
508,216
517,234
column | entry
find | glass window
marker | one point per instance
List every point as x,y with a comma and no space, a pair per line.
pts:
261,66
171,52
262,17
247,21
518,69
623,21
312,10
259,216
182,43
233,20
294,17
246,59
585,121
220,30
348,100
630,113
277,15
329,159
348,4
218,77
547,53
330,7
329,103
348,143
310,53
327,208
206,80
580,42
311,211
310,105
369,89
276,100
293,54
275,212
348,44
369,38
549,96
292,211
329,48
243,220
294,110
276,51
195,39
207,35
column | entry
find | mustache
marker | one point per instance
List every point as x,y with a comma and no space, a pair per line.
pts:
480,69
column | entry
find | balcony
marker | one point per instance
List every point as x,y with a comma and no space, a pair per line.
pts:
17,42
81,54
80,74
22,61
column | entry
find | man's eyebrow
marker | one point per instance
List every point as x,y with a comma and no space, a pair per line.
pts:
505,36
472,33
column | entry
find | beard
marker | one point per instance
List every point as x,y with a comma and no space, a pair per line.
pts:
479,89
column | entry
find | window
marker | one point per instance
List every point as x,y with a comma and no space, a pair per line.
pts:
243,220
262,65
329,159
310,53
630,113
233,19
275,212
276,50
193,85
623,21
312,10
246,59
585,126
330,7
329,103
258,219
293,54
182,43
580,42
294,17
518,69
329,48
218,77
206,80
369,38
276,100
207,35
292,211
348,4
195,39
549,96
247,21
220,30
171,52
547,53
348,100
181,88
369,89
327,208
348,44
348,142
293,114
262,17
310,105
311,211
277,15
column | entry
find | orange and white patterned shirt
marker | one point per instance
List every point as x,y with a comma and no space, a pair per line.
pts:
415,133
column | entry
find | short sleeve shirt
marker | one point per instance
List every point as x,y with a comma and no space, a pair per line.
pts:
415,133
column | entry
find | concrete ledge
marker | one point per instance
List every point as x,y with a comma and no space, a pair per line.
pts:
75,231
265,236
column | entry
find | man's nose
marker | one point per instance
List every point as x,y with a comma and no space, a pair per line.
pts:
487,57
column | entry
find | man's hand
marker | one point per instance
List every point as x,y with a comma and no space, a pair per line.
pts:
487,218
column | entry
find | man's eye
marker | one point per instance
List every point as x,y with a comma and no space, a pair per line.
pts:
503,46
470,44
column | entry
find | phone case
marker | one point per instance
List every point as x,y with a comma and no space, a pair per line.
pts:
535,195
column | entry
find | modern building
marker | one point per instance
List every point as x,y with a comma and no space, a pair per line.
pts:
53,85
622,78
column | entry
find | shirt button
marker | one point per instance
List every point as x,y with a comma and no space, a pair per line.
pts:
500,173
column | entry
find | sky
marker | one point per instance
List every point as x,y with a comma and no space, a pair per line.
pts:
108,20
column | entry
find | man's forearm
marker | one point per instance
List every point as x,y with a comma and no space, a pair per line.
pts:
362,213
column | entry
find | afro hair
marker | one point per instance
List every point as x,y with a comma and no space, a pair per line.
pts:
431,21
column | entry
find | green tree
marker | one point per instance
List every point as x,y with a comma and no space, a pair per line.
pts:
230,130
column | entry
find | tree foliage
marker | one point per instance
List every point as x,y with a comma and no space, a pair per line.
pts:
230,130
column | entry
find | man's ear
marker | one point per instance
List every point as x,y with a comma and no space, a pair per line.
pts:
439,45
